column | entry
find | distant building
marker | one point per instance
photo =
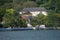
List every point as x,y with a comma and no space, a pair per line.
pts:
28,13
34,11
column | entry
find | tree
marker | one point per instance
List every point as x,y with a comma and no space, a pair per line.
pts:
29,4
13,19
9,19
3,5
53,19
51,5
39,20
2,11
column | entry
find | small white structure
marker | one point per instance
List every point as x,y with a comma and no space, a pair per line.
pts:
44,13
20,12
30,26
42,26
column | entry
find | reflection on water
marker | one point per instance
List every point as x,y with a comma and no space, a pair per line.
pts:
31,35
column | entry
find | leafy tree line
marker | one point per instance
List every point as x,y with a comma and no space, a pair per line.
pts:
51,20
9,15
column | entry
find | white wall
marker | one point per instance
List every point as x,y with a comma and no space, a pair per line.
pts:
44,12
35,13
38,12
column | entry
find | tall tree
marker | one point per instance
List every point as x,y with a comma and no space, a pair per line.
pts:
29,4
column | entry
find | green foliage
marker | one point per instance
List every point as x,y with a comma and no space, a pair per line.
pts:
29,4
13,19
10,17
40,19
48,4
53,20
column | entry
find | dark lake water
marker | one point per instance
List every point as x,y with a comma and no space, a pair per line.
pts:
31,35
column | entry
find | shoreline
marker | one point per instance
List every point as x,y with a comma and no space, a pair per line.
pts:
21,29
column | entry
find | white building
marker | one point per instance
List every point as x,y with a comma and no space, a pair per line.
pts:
28,13
34,11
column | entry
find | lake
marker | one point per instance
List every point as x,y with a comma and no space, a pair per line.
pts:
30,35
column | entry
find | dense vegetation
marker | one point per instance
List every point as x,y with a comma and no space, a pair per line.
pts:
9,15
